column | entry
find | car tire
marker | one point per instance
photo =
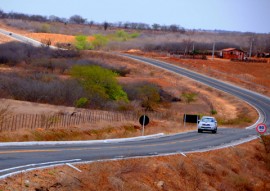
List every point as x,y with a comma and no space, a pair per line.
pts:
199,131
214,131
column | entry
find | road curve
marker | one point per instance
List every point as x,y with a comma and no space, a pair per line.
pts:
23,39
17,158
258,101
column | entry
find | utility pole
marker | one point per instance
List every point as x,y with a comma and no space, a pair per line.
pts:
213,51
250,50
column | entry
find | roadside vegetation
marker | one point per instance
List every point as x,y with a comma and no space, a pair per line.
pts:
100,81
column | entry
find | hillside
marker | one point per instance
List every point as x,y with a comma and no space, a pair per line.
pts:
24,77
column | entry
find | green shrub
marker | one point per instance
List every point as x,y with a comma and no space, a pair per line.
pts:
99,41
82,102
122,35
189,97
81,43
134,35
99,82
213,112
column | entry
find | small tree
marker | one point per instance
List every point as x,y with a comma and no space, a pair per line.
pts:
77,19
99,82
156,26
105,25
81,43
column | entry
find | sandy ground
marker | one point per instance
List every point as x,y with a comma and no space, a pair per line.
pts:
5,39
25,107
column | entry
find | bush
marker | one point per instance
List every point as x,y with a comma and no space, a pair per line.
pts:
99,41
189,97
122,35
45,28
81,43
99,82
134,35
213,112
82,102
42,88
147,93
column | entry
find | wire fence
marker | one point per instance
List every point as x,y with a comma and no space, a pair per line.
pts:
60,120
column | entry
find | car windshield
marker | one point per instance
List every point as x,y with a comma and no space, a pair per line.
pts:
208,120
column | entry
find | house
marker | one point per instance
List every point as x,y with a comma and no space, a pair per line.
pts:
232,53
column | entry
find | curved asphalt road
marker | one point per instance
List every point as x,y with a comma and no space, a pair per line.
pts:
23,39
17,157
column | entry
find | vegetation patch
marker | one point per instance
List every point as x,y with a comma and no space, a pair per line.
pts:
99,83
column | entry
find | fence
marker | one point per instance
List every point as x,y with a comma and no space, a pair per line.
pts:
30,121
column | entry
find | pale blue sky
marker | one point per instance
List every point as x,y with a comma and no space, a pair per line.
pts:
233,15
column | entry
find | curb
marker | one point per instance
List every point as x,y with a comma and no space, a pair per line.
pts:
32,143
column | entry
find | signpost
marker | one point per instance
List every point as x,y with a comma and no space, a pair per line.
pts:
261,128
144,120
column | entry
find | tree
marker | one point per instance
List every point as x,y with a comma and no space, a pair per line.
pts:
99,82
174,28
91,23
156,26
105,25
77,19
54,18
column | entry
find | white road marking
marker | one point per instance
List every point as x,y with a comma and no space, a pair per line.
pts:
70,165
39,164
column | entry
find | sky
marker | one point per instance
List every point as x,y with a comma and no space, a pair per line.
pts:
230,15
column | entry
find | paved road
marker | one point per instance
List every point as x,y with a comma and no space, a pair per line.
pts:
260,102
17,158
23,39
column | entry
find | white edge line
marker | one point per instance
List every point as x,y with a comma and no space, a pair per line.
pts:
137,157
37,164
80,142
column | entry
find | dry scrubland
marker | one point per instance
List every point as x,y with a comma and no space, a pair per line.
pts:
230,111
244,167
253,76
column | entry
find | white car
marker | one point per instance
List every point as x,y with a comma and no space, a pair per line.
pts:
207,124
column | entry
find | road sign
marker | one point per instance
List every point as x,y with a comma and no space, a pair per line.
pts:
261,128
144,120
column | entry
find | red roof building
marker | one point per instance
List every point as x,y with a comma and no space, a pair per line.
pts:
233,53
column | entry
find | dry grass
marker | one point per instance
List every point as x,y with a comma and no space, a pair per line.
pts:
55,38
5,39
253,76
100,130
237,168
